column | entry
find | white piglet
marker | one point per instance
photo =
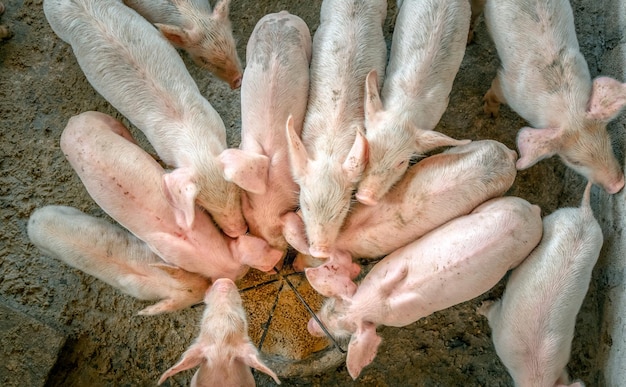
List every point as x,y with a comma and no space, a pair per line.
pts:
206,34
134,68
115,256
532,326
545,79
328,161
223,349
125,182
437,189
428,45
275,86
453,263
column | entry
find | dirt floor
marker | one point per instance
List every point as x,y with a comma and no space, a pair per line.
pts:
41,87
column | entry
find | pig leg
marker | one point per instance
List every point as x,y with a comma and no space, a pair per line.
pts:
334,277
493,98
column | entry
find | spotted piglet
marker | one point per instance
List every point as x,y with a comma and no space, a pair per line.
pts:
532,326
133,67
115,256
545,79
223,349
125,182
453,263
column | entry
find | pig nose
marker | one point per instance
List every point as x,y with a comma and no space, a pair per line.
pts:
314,329
513,155
366,197
236,83
615,187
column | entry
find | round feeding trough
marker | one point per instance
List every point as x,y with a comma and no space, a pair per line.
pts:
278,307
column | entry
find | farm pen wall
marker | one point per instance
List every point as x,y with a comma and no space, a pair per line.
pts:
61,327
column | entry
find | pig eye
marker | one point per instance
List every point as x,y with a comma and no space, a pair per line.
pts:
401,163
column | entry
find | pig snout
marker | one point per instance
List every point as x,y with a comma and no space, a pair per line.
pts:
235,83
614,186
319,250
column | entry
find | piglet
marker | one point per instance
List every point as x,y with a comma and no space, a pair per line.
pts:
115,256
205,34
532,326
126,182
428,44
328,161
273,94
452,264
437,189
223,349
132,65
545,79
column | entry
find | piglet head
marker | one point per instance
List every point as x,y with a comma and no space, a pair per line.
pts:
393,139
209,41
223,349
326,186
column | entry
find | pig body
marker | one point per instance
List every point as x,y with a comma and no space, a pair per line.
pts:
126,182
437,189
328,161
532,326
545,79
275,87
113,255
223,349
452,264
204,33
426,52
131,65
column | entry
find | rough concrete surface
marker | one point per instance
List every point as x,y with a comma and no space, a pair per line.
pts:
41,87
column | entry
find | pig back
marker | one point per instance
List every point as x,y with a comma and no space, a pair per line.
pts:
432,192
453,263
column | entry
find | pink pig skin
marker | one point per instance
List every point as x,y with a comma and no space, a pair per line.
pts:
223,349
191,25
532,326
275,87
114,256
328,160
126,182
545,79
453,263
428,44
132,65
437,189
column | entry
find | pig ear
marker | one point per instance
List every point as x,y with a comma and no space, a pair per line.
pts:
246,169
608,97
427,140
220,11
298,156
357,159
180,191
537,144
362,349
191,358
178,36
372,99
249,355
